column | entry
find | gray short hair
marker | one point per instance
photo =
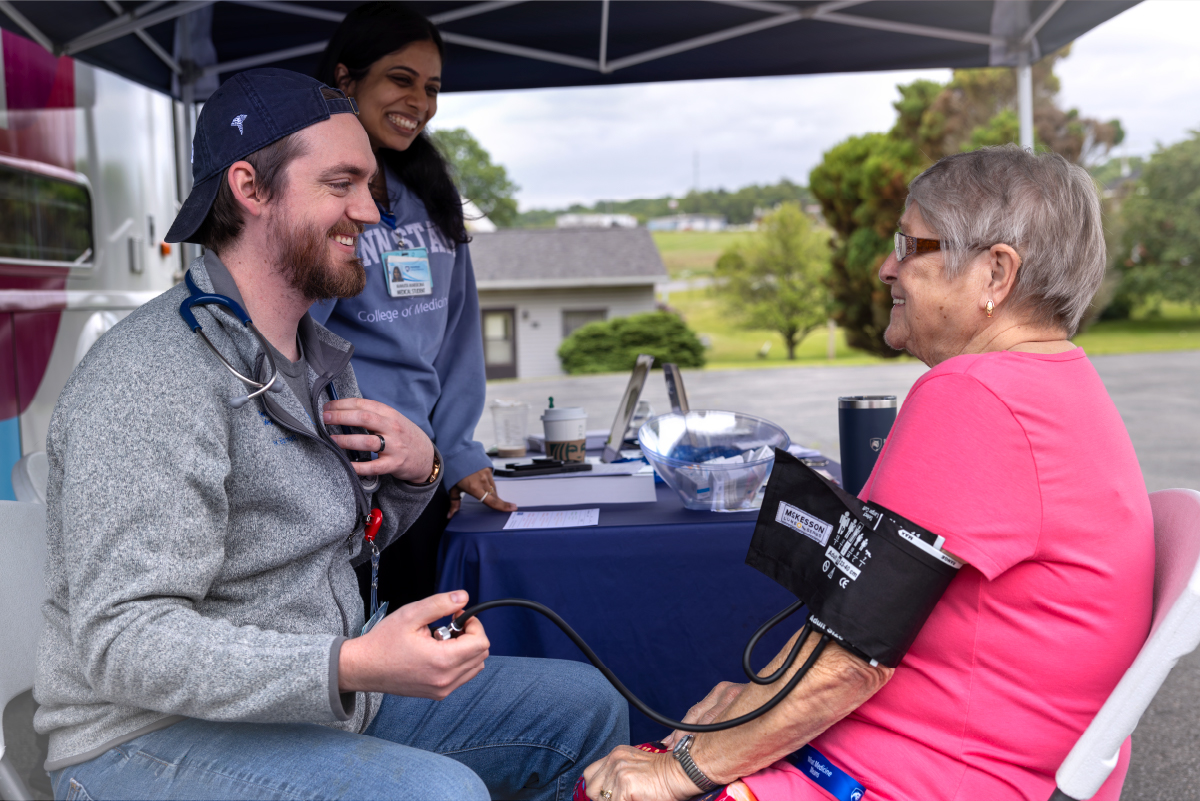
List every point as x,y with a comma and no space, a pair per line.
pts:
1046,208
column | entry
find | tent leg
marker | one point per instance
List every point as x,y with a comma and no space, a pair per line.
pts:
1025,99
187,89
184,54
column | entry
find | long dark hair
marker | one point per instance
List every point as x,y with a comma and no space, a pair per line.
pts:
367,34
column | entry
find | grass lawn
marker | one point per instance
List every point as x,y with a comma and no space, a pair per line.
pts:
691,253
1178,328
731,346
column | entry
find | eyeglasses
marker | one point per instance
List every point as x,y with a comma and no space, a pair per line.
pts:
908,245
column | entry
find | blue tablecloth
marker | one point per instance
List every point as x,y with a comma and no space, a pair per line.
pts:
661,593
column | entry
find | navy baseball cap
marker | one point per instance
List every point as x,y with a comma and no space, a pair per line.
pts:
248,112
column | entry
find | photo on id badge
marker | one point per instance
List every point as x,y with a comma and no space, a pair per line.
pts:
406,273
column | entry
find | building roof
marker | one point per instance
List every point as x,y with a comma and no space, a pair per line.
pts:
544,258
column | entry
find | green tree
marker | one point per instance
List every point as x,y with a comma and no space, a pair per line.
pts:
776,282
1160,246
613,345
862,184
478,179
978,107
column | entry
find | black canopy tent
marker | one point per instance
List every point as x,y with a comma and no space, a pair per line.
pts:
185,47
508,44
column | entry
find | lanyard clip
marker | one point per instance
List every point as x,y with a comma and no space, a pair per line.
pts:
371,524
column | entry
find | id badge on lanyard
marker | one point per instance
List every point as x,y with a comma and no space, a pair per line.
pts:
406,273
405,270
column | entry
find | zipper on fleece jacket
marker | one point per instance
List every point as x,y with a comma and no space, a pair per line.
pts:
360,495
361,502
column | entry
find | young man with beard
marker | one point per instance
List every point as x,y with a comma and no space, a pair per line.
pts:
204,633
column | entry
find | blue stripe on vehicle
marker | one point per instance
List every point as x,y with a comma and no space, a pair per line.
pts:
10,453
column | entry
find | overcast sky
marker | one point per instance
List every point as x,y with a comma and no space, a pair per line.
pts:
586,144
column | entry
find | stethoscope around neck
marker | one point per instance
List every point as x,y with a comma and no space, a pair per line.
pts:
197,296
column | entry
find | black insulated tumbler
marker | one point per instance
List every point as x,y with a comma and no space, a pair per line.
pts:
864,422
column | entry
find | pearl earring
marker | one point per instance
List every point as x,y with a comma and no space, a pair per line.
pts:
990,306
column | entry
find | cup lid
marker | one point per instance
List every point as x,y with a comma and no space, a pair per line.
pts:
564,413
867,402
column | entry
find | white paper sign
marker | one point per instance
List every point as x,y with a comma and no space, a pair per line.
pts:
568,518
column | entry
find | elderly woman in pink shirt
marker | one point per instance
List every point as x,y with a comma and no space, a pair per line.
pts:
1010,448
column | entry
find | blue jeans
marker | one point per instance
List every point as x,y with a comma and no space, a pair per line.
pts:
521,729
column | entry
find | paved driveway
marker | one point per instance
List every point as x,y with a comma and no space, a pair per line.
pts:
1158,395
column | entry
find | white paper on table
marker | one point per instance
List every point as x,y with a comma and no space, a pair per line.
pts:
567,518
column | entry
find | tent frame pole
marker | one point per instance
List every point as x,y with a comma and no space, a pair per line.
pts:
115,29
183,154
1025,99
604,36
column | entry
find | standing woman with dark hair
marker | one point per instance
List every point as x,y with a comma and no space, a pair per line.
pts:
415,328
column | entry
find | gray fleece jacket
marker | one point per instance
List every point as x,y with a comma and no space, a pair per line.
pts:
199,556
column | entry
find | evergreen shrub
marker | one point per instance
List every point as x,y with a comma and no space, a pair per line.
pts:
613,345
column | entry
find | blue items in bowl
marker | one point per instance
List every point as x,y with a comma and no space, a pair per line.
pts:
715,460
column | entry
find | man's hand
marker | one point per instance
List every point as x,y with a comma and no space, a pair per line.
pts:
400,656
407,452
482,486
634,775
710,709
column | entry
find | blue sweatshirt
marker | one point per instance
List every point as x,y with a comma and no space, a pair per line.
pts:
421,355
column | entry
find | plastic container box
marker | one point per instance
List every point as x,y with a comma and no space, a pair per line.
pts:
715,460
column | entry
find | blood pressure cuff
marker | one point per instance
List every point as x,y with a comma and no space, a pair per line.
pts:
869,577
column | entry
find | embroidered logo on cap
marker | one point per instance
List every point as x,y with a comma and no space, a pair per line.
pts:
237,122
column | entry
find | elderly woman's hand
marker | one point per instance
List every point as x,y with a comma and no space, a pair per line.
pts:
710,709
629,774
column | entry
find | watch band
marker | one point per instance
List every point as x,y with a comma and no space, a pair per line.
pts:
683,755
434,474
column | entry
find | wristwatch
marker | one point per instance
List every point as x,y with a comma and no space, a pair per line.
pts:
433,476
683,755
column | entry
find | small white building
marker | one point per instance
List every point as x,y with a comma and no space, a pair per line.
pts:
688,222
537,285
595,221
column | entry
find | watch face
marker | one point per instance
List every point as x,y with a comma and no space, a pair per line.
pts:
683,744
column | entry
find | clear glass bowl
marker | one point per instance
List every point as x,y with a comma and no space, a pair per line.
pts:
715,460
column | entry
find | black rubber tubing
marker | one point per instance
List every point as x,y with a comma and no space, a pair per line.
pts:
698,728
791,657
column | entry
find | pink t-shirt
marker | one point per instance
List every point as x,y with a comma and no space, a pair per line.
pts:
1022,463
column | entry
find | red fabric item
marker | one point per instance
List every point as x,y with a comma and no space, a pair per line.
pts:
1023,464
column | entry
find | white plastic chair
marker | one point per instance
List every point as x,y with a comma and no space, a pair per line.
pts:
1174,633
29,477
22,558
